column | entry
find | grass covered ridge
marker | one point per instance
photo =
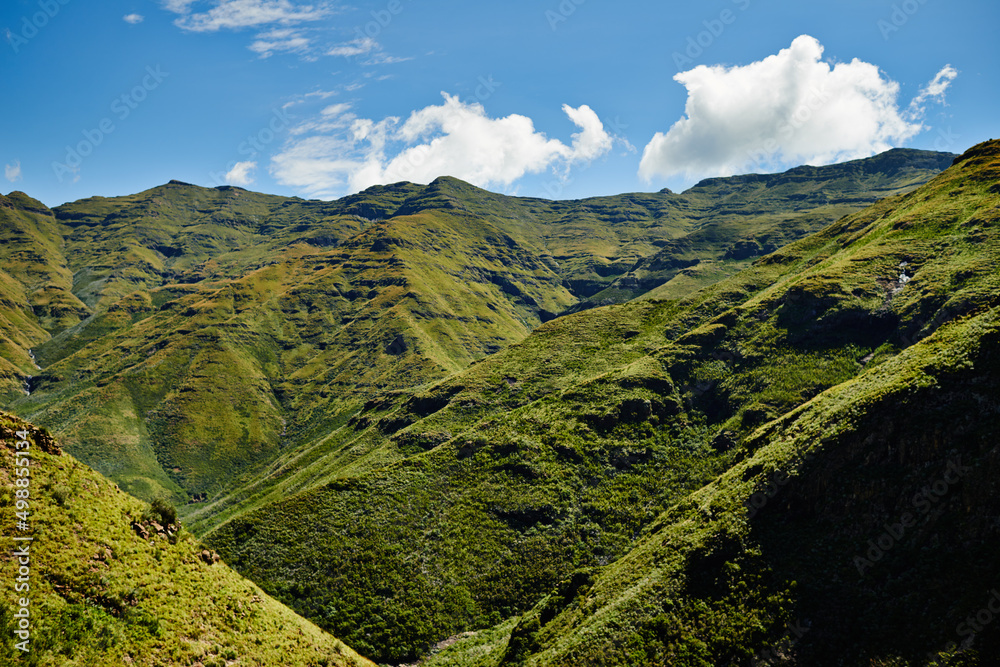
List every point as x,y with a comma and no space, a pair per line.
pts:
552,466
209,341
107,588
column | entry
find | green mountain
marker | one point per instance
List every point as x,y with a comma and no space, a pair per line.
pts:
741,218
195,343
687,480
107,579
369,407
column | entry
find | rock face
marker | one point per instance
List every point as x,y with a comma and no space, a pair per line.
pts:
209,557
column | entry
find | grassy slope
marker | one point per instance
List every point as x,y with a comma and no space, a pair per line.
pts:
35,287
740,218
101,594
715,582
556,454
233,332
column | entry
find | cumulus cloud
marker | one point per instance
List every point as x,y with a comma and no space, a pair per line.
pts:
338,152
237,14
787,109
241,174
133,18
12,171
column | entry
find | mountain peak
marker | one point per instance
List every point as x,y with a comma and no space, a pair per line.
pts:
22,201
989,148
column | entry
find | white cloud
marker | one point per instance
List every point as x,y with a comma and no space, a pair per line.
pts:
788,109
336,109
241,174
339,152
237,14
13,171
178,6
355,47
365,46
133,18
322,94
281,40
934,90
385,59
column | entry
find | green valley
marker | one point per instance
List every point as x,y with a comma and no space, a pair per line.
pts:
570,462
189,338
751,423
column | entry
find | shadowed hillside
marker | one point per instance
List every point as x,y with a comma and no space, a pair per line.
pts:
187,339
559,454
388,431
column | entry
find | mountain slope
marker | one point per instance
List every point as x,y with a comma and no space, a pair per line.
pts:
860,527
35,287
211,336
745,217
556,455
108,581
861,531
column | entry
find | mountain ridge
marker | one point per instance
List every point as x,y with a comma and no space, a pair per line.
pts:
552,460
317,381
312,301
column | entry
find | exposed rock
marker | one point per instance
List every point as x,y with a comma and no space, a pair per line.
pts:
209,557
398,346
140,530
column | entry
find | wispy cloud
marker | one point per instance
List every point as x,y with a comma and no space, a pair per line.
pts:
286,40
133,18
365,47
283,25
13,171
238,14
357,47
934,90
787,109
338,152
241,174
178,6
385,59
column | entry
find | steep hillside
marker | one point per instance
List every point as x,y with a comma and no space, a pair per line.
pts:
860,529
106,579
567,463
36,295
744,217
198,342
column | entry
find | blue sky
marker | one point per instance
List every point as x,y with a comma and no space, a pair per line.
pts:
549,98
